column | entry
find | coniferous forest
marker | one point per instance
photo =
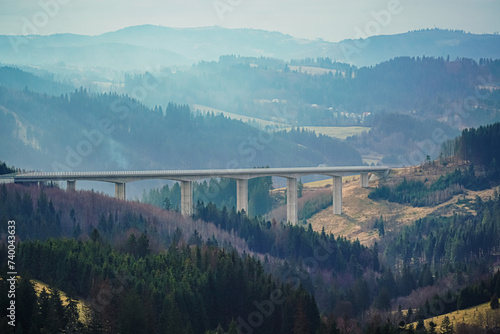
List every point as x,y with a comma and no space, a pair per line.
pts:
145,269
140,268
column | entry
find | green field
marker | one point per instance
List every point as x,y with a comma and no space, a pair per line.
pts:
245,119
340,132
312,70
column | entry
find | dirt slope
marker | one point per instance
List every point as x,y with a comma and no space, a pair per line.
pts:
360,212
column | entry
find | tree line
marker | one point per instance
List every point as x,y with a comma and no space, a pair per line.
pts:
417,193
479,146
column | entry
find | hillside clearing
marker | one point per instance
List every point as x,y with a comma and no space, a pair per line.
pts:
245,119
314,70
481,315
340,132
81,304
360,212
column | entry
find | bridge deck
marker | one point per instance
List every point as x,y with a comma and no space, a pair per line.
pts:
129,176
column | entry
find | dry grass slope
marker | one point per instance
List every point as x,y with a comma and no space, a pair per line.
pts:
481,315
81,303
360,212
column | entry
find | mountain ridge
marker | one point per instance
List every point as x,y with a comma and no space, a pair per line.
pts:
187,46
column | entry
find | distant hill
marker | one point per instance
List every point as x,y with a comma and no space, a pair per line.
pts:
15,78
140,47
430,43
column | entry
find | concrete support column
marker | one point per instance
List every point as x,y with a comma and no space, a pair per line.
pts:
292,212
242,195
120,191
186,198
71,185
364,180
337,195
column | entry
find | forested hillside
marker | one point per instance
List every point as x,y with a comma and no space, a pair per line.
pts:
14,78
479,146
268,88
476,148
397,136
407,102
414,101
185,289
83,130
146,268
346,279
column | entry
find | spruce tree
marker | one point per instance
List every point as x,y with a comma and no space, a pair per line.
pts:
494,304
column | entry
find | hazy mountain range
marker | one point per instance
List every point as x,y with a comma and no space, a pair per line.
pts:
148,46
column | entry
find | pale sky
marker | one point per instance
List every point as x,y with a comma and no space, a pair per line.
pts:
332,20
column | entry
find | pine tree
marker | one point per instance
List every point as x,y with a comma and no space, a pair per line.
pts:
233,327
432,328
494,304
95,236
102,225
27,305
446,326
143,245
77,231
167,205
57,312
383,301
300,187
71,313
301,322
131,245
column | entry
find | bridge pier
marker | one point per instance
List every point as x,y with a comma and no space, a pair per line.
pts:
186,198
71,185
337,195
292,214
120,191
364,180
242,195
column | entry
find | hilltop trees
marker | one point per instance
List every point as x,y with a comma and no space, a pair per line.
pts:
417,193
479,146
5,170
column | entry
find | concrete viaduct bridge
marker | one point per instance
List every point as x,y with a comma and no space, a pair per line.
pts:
186,178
